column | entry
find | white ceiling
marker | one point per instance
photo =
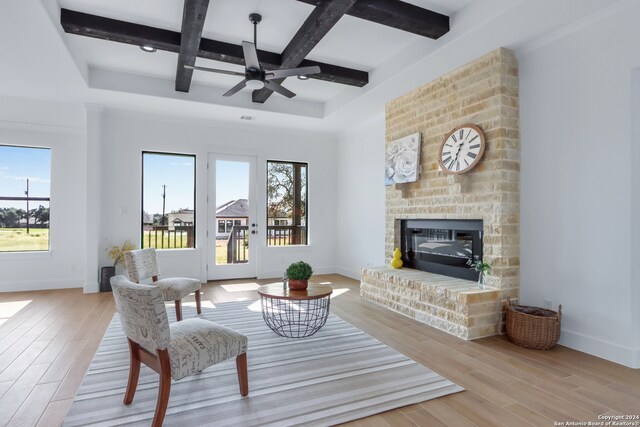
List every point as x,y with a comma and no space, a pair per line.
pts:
40,61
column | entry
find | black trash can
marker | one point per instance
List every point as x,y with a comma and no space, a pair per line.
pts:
106,273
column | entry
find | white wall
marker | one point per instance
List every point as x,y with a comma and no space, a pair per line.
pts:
57,126
635,208
576,186
125,135
361,197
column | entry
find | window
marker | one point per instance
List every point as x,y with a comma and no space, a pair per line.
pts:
25,174
168,201
225,226
287,203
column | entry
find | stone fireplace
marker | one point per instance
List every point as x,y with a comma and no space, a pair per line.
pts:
484,93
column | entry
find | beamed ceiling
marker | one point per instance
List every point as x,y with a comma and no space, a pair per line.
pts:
347,39
189,43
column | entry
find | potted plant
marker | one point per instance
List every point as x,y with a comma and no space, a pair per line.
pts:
298,274
116,253
481,267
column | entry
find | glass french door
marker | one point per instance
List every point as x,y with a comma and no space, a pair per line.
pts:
232,227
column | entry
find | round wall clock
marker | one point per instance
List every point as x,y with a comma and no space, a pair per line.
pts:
461,149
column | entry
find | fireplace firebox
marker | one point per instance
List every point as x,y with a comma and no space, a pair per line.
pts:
441,246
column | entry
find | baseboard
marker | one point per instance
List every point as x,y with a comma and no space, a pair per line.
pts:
91,288
627,356
347,272
39,285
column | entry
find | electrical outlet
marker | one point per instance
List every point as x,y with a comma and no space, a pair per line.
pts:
547,303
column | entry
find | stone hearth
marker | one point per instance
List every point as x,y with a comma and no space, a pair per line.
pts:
453,305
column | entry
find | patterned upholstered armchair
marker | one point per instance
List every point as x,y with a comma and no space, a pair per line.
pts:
142,264
173,351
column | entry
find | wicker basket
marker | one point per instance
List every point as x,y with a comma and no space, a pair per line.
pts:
533,327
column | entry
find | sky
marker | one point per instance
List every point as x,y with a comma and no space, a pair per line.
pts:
232,181
176,172
19,163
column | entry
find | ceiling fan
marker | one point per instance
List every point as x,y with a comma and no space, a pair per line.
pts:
254,76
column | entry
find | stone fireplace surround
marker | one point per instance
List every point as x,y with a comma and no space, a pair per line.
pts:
485,93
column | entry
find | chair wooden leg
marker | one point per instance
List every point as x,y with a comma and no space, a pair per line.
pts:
198,306
243,378
164,390
178,310
134,372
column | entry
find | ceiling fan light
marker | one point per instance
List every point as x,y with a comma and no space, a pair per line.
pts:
148,48
303,77
255,84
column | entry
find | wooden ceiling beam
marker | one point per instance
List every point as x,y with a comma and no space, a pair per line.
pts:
99,27
193,16
398,14
315,27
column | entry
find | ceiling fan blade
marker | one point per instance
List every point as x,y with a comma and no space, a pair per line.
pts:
276,87
288,72
250,55
236,88
214,70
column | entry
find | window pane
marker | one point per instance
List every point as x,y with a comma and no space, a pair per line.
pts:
168,201
220,226
232,201
25,175
286,203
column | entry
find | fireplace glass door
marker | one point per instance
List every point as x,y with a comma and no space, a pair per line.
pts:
442,246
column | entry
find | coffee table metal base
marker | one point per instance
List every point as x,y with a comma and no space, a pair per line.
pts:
295,318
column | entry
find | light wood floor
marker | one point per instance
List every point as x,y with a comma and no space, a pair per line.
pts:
47,344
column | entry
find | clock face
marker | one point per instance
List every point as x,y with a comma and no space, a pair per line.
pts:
462,149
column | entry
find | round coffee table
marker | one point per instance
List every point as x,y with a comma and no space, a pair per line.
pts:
295,314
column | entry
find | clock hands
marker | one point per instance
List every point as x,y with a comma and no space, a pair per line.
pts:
455,159
462,149
457,145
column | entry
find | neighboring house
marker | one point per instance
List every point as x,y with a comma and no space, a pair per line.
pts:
234,212
282,218
182,218
279,221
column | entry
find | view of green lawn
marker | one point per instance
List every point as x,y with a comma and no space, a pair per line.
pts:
221,252
164,242
158,240
17,239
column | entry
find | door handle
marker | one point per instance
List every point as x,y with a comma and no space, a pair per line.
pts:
253,231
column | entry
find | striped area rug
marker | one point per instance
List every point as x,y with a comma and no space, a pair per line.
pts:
337,375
